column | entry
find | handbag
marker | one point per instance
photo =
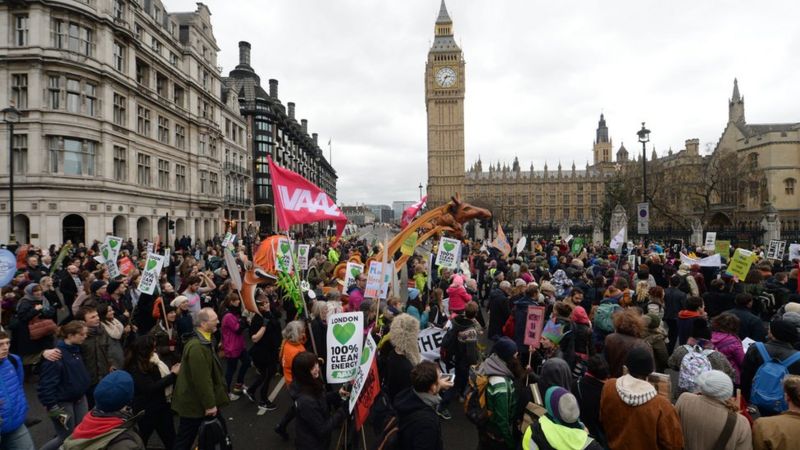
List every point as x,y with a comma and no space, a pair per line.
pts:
39,328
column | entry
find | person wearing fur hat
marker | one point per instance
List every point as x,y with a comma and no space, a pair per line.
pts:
629,405
110,425
560,428
704,417
402,355
782,335
502,367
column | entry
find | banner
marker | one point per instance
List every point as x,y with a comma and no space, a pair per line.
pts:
298,200
740,264
409,244
151,274
302,255
284,261
619,238
352,271
126,265
232,268
723,248
711,238
577,246
501,242
411,212
644,218
533,326
345,335
367,358
372,387
776,249
429,342
448,254
709,261
8,267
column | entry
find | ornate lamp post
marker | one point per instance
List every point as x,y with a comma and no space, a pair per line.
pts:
644,138
11,116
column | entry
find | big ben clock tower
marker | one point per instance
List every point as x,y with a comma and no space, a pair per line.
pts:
444,102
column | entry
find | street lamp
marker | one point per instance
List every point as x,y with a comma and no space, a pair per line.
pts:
420,190
11,116
644,138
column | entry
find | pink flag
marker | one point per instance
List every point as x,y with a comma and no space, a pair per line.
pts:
298,200
411,212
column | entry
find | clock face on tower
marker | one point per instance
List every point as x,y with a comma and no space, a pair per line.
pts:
446,77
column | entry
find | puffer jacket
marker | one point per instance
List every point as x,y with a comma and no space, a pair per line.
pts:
458,298
233,344
731,346
13,404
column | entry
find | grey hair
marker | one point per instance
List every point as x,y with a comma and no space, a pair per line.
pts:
294,330
505,284
203,316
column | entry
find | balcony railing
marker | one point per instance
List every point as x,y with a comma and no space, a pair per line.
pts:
231,167
236,200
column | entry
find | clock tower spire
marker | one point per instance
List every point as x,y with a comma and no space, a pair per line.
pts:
444,103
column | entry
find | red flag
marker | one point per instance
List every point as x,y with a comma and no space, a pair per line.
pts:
411,211
298,200
372,387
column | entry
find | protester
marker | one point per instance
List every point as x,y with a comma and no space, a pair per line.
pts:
234,347
778,347
502,368
629,328
499,309
265,333
687,317
294,339
315,423
588,390
30,309
13,403
416,407
560,428
782,431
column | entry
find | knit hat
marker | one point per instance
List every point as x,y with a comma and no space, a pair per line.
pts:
114,392
413,293
29,288
792,307
547,286
96,285
504,348
176,303
579,315
113,286
793,318
561,406
458,281
784,331
640,362
553,331
715,384
653,320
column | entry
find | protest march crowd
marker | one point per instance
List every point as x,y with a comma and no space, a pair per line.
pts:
557,346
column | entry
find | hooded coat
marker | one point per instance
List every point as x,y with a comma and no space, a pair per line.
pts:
420,427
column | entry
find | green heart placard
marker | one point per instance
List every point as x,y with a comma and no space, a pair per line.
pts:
302,250
285,247
151,264
449,246
343,333
355,272
105,253
113,243
365,355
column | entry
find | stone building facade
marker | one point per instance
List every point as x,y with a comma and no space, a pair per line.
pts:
121,110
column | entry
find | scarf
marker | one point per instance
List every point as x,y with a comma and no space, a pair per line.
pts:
164,371
429,399
114,329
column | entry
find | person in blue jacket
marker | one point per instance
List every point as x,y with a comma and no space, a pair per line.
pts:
13,404
63,383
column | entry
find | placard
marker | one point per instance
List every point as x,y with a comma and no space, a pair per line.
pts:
378,278
125,265
150,249
740,264
448,254
232,268
283,255
352,271
523,241
711,238
534,324
345,335
708,261
794,252
302,255
367,356
228,239
429,342
151,274
8,266
723,248
776,249
109,260
577,246
409,244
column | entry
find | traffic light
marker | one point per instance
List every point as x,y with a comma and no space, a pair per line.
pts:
171,224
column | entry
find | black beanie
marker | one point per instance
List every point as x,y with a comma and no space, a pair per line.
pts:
640,362
784,331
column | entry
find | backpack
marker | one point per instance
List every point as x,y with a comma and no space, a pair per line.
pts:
767,390
449,347
475,398
509,326
603,316
213,434
693,364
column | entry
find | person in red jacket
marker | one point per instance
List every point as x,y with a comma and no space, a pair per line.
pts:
458,295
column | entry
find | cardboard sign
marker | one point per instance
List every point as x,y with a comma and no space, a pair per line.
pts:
534,325
370,391
114,244
283,255
409,244
367,357
8,267
125,265
352,271
302,255
345,335
711,238
429,342
448,254
776,249
109,260
740,264
151,274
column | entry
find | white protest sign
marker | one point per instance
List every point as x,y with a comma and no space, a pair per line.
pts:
345,336
109,260
151,274
776,249
229,238
711,239
794,252
429,342
375,277
114,244
283,255
523,241
352,271
302,255
233,269
448,254
367,355
709,261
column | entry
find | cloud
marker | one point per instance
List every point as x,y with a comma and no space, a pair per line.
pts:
538,75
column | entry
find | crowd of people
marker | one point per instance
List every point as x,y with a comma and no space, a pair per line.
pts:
638,350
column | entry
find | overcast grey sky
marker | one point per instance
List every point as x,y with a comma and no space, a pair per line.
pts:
538,75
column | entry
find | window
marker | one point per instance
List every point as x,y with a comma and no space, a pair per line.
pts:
119,9
120,163
19,90
142,73
156,45
72,156
73,37
163,129
178,94
566,198
120,110
143,121
73,95
163,174
157,14
214,183
180,136
54,88
173,59
180,178
21,30
137,30
752,161
119,56
161,85
203,181
90,96
202,146
143,169
566,213
789,185
20,154
212,147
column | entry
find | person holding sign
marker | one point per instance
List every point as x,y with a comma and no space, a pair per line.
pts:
315,423
294,339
